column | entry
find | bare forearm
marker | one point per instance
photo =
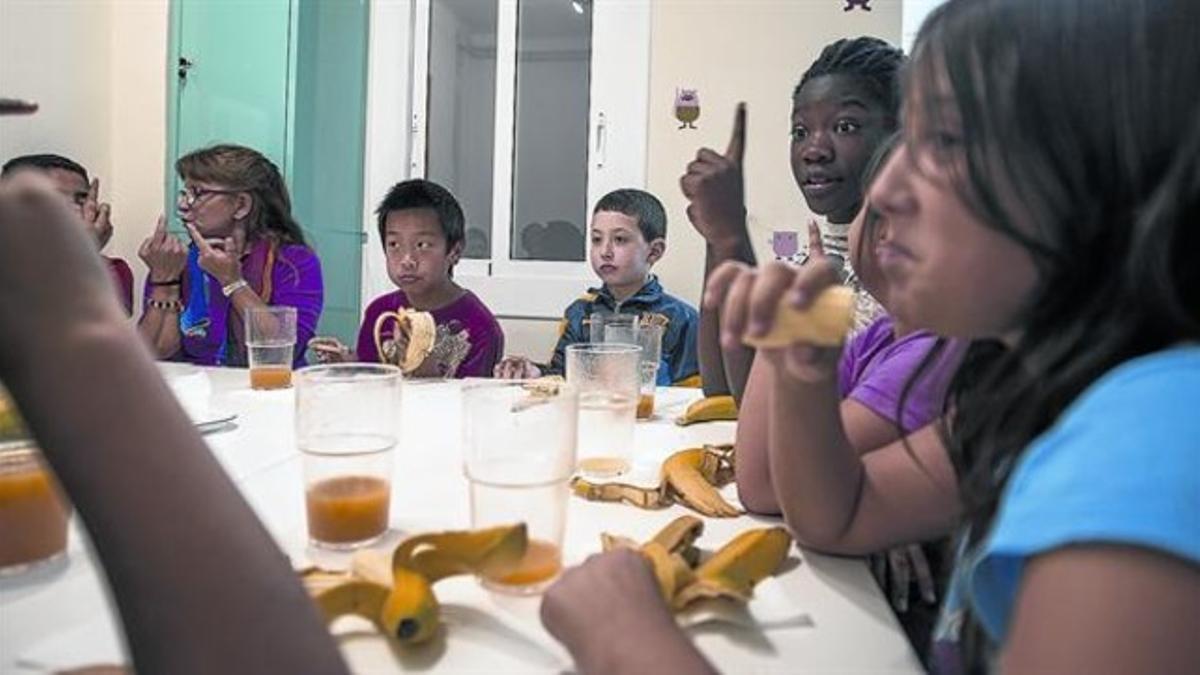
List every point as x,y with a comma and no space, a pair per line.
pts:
212,594
245,299
817,474
752,466
160,329
713,366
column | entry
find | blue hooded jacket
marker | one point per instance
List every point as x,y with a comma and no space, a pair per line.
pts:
680,360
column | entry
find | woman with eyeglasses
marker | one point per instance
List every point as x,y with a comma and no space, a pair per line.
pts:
246,251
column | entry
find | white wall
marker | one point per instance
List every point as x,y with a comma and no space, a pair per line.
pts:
97,69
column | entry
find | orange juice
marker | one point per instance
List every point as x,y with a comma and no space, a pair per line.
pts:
348,509
645,406
271,377
542,562
33,515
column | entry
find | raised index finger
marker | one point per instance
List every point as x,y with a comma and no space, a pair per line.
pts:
201,242
94,190
737,140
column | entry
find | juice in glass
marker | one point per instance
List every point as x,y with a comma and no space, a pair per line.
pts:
270,341
33,514
348,509
271,377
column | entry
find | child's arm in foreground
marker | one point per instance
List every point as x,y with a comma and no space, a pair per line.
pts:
831,497
638,633
714,187
132,463
865,429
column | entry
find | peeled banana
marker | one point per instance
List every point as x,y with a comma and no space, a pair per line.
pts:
398,598
826,322
709,409
732,572
420,330
689,477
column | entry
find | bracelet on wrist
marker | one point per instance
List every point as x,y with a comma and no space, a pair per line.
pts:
174,306
229,289
178,281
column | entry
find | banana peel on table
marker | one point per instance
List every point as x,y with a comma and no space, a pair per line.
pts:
690,477
731,572
397,595
709,409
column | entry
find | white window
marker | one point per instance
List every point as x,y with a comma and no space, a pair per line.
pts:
528,111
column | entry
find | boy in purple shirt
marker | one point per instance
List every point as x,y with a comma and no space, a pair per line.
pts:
421,227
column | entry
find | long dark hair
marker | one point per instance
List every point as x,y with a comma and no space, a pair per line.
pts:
240,168
1078,112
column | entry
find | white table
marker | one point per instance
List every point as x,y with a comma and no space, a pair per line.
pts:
829,615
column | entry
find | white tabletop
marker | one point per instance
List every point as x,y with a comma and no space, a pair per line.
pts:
823,614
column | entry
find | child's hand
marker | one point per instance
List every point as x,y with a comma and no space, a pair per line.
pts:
747,299
816,247
619,586
714,187
329,350
516,368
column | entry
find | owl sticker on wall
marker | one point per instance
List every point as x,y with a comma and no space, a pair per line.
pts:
786,246
687,107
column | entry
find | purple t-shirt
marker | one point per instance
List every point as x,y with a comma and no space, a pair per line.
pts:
876,366
469,340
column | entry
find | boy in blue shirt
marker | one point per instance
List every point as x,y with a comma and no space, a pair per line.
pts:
628,235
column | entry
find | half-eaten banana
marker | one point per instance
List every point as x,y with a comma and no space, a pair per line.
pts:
398,597
689,477
418,328
732,572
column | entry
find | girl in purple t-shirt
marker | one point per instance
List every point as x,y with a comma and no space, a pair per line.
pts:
421,227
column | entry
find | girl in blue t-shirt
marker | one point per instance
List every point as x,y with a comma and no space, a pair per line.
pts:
1042,204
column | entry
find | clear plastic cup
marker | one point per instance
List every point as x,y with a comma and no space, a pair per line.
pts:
519,455
346,428
649,338
33,511
270,342
607,377
616,328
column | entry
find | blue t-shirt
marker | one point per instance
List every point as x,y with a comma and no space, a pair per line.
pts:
1121,466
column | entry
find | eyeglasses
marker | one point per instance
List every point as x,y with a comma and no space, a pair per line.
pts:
189,196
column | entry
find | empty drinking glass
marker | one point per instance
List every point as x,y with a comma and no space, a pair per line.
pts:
607,377
519,454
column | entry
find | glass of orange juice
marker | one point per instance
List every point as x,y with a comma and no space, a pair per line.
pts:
519,454
346,428
270,342
33,512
